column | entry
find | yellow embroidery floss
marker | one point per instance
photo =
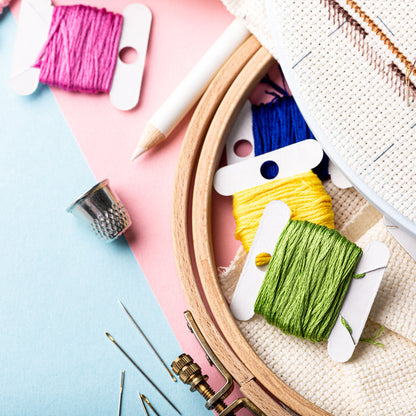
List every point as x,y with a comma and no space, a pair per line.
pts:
303,193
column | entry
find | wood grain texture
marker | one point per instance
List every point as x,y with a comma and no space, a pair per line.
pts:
201,215
254,392
150,137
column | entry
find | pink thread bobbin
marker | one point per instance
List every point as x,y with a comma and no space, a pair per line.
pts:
80,53
3,4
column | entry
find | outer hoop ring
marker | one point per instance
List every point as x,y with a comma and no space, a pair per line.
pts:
208,130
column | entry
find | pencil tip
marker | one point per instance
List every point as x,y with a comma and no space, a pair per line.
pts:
138,151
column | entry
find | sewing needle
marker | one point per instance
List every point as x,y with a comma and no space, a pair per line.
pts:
120,398
143,397
144,406
148,342
141,371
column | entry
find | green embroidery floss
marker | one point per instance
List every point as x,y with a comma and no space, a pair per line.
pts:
346,325
307,279
372,340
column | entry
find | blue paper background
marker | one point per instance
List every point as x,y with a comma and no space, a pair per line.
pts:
59,284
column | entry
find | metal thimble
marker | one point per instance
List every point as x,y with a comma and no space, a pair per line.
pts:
103,211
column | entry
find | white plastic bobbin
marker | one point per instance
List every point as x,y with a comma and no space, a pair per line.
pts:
290,160
357,302
242,131
127,81
337,177
407,241
32,33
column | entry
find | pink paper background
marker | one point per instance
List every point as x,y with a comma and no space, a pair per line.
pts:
182,30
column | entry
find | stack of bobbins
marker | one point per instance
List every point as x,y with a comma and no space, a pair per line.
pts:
201,151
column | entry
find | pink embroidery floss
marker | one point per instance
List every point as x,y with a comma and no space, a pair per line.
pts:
80,53
3,4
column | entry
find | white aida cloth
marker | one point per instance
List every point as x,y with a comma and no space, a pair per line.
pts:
376,381
360,113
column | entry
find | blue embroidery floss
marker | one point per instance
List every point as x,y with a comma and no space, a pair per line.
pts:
280,123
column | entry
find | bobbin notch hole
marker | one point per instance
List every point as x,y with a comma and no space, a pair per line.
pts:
128,55
242,148
269,169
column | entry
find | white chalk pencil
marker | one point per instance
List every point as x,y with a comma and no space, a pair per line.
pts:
191,88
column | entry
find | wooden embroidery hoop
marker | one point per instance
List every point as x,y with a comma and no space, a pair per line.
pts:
198,159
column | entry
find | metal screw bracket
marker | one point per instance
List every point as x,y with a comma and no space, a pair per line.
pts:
190,373
228,387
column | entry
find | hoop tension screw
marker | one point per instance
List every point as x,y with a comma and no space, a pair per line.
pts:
190,373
